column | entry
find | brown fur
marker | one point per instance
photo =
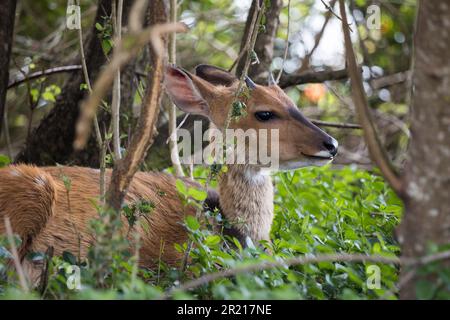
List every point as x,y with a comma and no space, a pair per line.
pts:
45,213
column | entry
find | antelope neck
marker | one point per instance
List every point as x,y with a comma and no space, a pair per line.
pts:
246,201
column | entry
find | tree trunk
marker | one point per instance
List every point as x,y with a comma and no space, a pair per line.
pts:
7,14
427,175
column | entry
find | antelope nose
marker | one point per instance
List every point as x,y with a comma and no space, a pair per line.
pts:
331,146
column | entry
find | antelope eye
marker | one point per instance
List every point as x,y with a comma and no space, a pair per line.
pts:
264,115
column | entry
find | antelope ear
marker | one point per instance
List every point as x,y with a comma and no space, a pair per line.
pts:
183,92
215,75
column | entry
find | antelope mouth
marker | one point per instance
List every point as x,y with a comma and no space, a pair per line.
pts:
318,157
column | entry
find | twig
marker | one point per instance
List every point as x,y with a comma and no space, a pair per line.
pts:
116,96
44,274
342,125
376,150
98,136
286,46
88,82
21,274
330,9
248,42
318,37
171,108
391,79
43,73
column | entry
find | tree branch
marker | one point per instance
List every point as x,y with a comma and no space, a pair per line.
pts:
20,272
289,80
376,150
171,108
264,41
115,103
125,169
341,125
43,73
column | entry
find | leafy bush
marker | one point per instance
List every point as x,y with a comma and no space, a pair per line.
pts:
317,211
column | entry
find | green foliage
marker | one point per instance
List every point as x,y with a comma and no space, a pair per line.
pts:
105,33
4,160
317,211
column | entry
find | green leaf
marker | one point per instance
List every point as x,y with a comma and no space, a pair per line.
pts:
4,160
196,194
212,240
192,223
99,27
181,187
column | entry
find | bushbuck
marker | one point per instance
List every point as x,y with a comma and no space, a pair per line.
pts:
45,213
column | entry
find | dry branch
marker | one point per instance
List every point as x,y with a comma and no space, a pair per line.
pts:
125,169
171,108
116,94
376,150
43,73
342,125
20,272
289,80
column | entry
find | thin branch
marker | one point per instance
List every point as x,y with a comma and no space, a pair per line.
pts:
20,273
250,44
391,79
330,9
378,153
116,95
286,46
318,37
342,125
171,108
43,73
289,80
248,39
98,135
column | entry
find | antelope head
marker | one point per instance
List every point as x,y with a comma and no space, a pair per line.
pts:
211,92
